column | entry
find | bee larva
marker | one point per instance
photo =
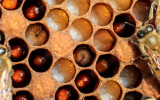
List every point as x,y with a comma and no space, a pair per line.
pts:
5,74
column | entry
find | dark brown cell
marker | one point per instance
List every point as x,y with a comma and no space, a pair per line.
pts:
40,60
34,10
133,95
66,93
19,49
23,95
2,37
90,98
107,65
11,4
37,34
21,76
86,81
124,25
84,55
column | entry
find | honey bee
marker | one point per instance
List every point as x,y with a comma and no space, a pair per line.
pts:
5,74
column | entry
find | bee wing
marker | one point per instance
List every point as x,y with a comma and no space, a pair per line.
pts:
155,57
147,98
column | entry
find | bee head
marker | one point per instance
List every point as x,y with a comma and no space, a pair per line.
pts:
147,29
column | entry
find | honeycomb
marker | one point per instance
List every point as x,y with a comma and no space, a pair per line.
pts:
76,49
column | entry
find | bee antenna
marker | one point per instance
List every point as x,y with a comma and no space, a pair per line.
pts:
131,24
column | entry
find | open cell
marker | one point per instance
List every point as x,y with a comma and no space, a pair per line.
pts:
141,9
2,37
57,19
104,40
34,10
110,91
81,30
133,95
78,7
19,49
124,25
63,70
101,14
87,81
40,60
54,2
130,77
107,65
90,98
121,5
66,92
23,95
37,34
21,76
84,55
11,4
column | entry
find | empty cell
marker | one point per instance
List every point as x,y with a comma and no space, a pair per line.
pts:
133,95
78,7
110,91
40,60
34,10
66,92
21,76
87,81
104,40
107,65
121,5
63,70
101,14
19,49
23,95
81,30
54,2
141,9
57,19
124,25
130,77
90,98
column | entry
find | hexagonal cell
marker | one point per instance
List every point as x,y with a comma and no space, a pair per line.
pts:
57,19
141,9
130,77
121,5
78,7
110,91
11,4
40,60
23,95
21,76
81,30
34,10
63,70
19,49
133,95
104,40
37,34
87,81
2,37
54,2
107,65
124,25
101,14
84,55
90,98
66,92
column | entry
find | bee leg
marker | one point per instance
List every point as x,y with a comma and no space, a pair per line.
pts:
142,57
151,67
153,9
